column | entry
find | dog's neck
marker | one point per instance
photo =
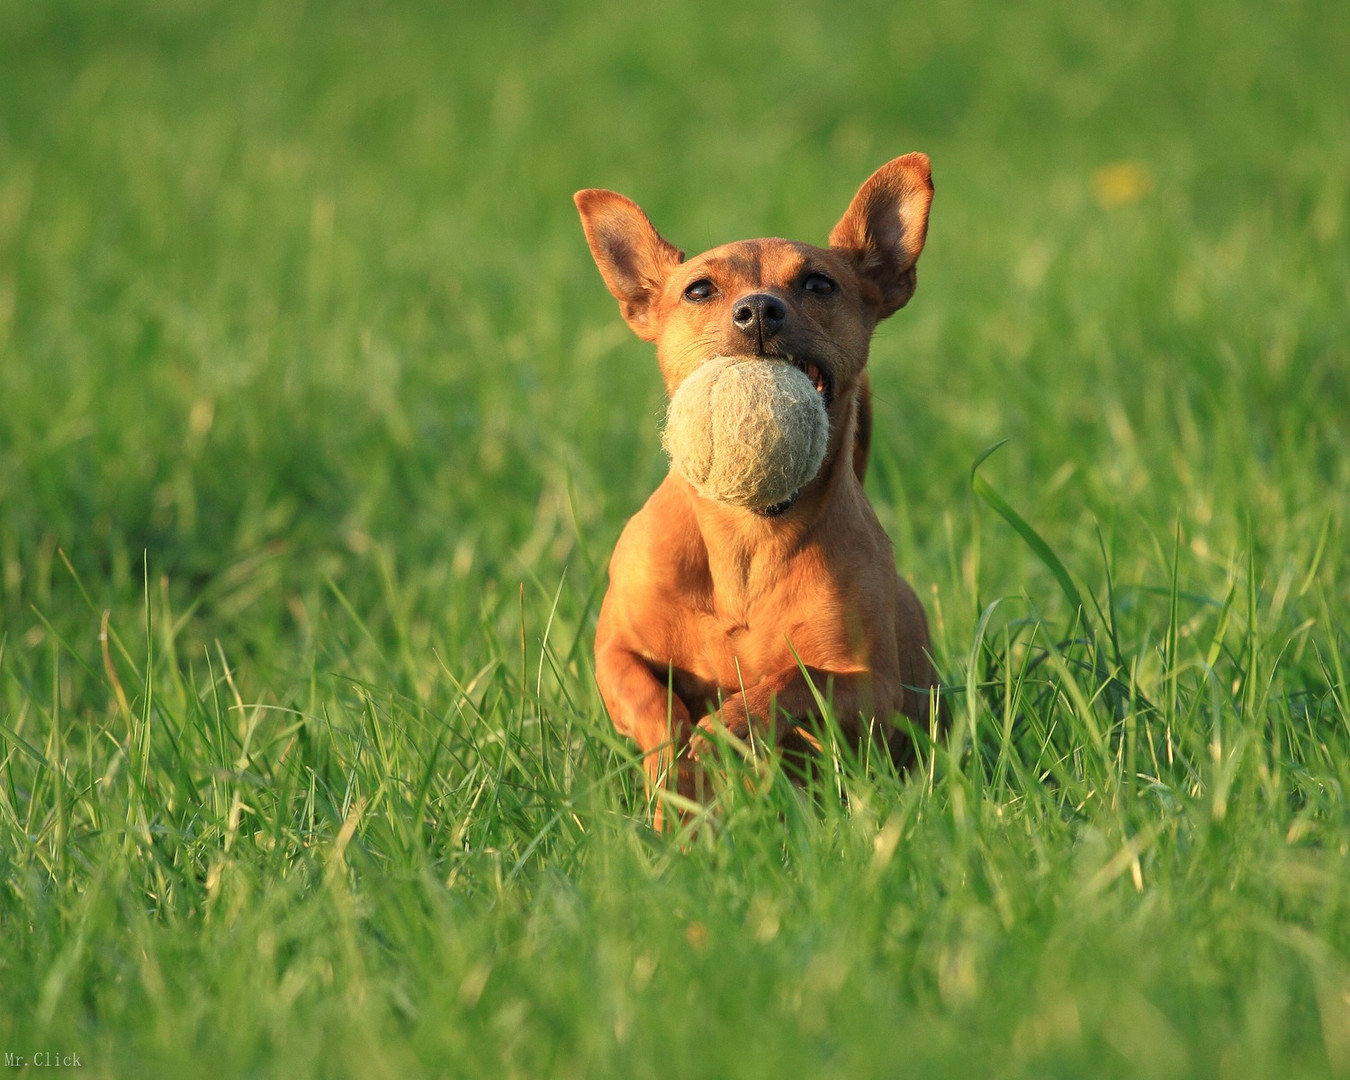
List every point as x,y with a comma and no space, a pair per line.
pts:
747,552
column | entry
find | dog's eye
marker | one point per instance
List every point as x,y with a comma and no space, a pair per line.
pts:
818,284
699,291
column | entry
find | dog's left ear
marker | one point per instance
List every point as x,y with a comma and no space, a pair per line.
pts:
633,257
885,227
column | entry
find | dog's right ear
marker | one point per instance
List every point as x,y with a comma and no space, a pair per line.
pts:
633,257
884,229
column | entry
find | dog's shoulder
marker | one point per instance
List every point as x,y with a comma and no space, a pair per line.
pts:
661,542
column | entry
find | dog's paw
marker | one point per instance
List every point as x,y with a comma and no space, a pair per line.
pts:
730,722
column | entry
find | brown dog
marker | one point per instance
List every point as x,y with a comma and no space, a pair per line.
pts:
710,606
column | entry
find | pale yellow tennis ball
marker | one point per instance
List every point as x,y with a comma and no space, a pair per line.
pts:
747,432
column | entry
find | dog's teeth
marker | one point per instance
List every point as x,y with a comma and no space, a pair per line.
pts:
810,370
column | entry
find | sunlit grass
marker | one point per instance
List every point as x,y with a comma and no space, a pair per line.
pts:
317,427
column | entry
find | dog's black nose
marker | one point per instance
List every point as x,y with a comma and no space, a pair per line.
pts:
759,315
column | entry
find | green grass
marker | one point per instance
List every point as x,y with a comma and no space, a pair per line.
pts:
317,427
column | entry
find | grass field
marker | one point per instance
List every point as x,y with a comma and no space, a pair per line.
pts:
317,427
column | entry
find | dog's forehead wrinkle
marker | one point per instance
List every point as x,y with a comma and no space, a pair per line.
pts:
739,261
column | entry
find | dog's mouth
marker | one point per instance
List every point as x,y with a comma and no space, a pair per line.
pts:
819,376
778,509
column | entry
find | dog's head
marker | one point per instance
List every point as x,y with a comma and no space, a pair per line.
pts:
813,307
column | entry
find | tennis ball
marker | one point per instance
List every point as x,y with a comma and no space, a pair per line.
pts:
746,432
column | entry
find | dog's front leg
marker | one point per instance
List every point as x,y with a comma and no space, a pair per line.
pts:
644,708
779,703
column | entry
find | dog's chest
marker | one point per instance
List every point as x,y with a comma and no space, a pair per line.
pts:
724,661
736,648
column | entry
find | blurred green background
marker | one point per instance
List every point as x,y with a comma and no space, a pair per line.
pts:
308,382
308,275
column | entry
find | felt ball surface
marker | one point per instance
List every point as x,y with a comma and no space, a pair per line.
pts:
746,432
